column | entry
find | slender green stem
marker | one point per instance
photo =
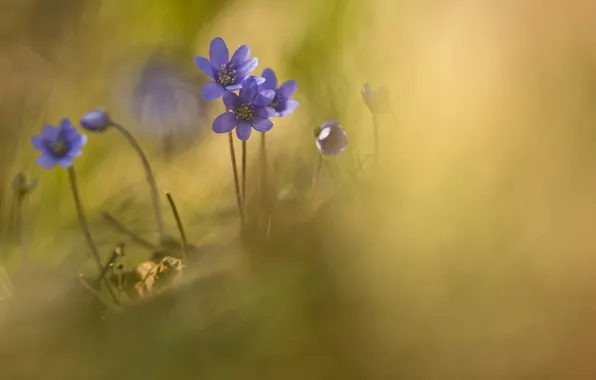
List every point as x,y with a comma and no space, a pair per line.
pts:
235,174
82,219
264,183
85,228
150,179
243,172
180,226
123,229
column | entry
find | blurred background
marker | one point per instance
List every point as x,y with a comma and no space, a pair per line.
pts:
474,261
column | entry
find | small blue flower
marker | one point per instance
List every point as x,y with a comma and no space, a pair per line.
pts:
331,138
376,100
281,105
166,102
245,111
96,121
58,145
228,74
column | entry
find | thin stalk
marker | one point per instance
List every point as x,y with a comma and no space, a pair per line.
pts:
82,219
180,226
150,179
263,186
243,172
96,293
85,227
235,174
123,229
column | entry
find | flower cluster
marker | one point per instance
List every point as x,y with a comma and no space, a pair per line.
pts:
258,99
250,102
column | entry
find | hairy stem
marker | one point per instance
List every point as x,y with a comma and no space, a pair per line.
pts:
85,227
243,172
150,179
264,185
82,219
235,174
180,226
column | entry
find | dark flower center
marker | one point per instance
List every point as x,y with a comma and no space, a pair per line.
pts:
226,76
277,102
245,112
58,147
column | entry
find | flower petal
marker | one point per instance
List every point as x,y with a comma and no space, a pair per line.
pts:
249,89
243,131
66,126
272,112
218,52
330,124
234,87
79,142
231,100
50,133
205,66
290,107
212,91
46,162
262,125
247,67
240,55
65,162
263,98
39,143
262,112
288,88
224,123
270,80
74,153
260,80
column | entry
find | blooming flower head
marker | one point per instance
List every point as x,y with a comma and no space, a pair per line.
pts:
96,121
377,100
249,109
58,145
281,105
166,102
331,138
227,73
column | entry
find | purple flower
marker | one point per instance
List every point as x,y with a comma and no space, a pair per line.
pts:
331,138
96,121
227,73
376,100
281,105
245,111
166,102
58,145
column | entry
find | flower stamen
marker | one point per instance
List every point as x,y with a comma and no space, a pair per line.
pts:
245,112
58,147
226,76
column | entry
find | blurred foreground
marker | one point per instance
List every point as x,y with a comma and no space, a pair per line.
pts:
470,256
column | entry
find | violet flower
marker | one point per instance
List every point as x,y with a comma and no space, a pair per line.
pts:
227,73
58,145
331,138
281,105
247,110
